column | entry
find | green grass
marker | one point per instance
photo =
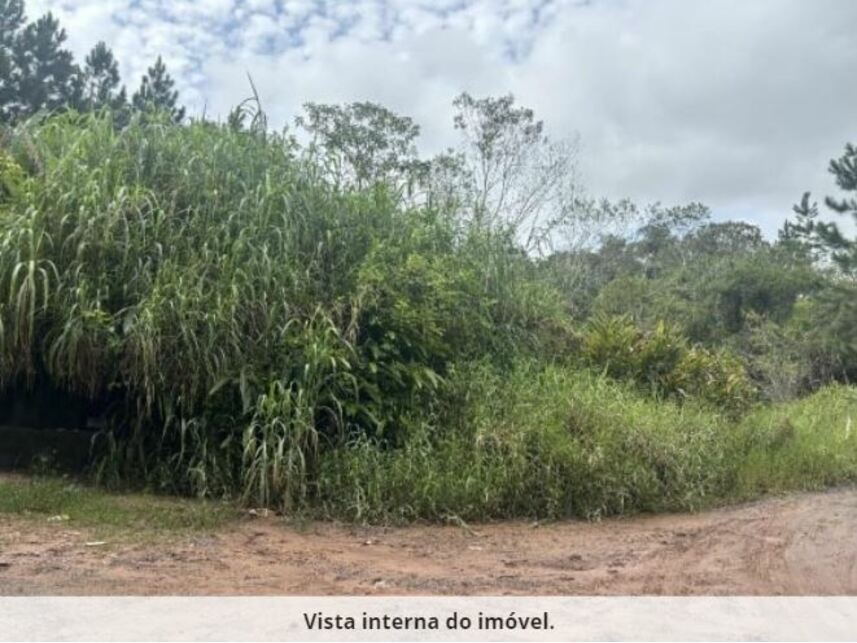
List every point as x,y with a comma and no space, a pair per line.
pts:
143,515
538,442
556,442
806,444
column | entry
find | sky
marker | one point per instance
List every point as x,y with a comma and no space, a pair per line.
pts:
734,103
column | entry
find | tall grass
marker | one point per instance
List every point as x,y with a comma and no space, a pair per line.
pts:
233,312
249,329
559,442
804,444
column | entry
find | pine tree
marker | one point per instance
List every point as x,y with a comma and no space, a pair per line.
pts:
101,80
156,92
49,79
11,21
37,73
825,237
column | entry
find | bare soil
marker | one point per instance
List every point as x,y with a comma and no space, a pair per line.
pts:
796,545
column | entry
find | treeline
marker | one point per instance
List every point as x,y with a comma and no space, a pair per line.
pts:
38,74
784,307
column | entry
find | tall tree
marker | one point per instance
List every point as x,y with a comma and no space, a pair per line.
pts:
514,175
363,142
11,21
101,80
826,237
48,78
156,92
833,326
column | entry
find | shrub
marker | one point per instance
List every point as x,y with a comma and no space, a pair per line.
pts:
778,359
716,377
663,362
12,177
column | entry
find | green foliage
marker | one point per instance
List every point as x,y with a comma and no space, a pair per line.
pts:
246,323
555,442
826,238
38,74
706,278
101,81
37,71
363,143
536,442
233,313
806,444
11,21
766,284
663,362
157,94
824,326
610,343
509,174
780,358
12,177
716,377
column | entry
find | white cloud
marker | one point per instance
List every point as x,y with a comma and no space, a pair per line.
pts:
737,104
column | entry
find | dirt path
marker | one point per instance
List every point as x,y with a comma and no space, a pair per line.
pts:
802,544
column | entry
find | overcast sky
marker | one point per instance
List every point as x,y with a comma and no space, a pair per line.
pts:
736,103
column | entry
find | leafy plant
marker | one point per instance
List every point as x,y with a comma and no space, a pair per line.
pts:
665,363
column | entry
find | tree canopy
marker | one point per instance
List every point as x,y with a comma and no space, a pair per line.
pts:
826,237
38,73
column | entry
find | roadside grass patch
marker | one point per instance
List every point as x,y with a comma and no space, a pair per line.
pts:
805,444
76,504
556,443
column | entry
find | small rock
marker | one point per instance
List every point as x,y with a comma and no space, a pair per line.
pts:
58,518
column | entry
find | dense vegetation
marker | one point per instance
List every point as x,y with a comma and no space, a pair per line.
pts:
248,325
346,327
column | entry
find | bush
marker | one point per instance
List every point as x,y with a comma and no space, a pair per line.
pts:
716,377
778,359
12,177
824,325
663,362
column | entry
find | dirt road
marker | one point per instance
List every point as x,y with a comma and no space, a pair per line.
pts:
801,544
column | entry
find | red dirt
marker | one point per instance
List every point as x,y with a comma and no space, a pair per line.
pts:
801,544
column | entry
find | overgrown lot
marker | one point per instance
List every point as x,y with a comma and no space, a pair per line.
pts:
244,326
